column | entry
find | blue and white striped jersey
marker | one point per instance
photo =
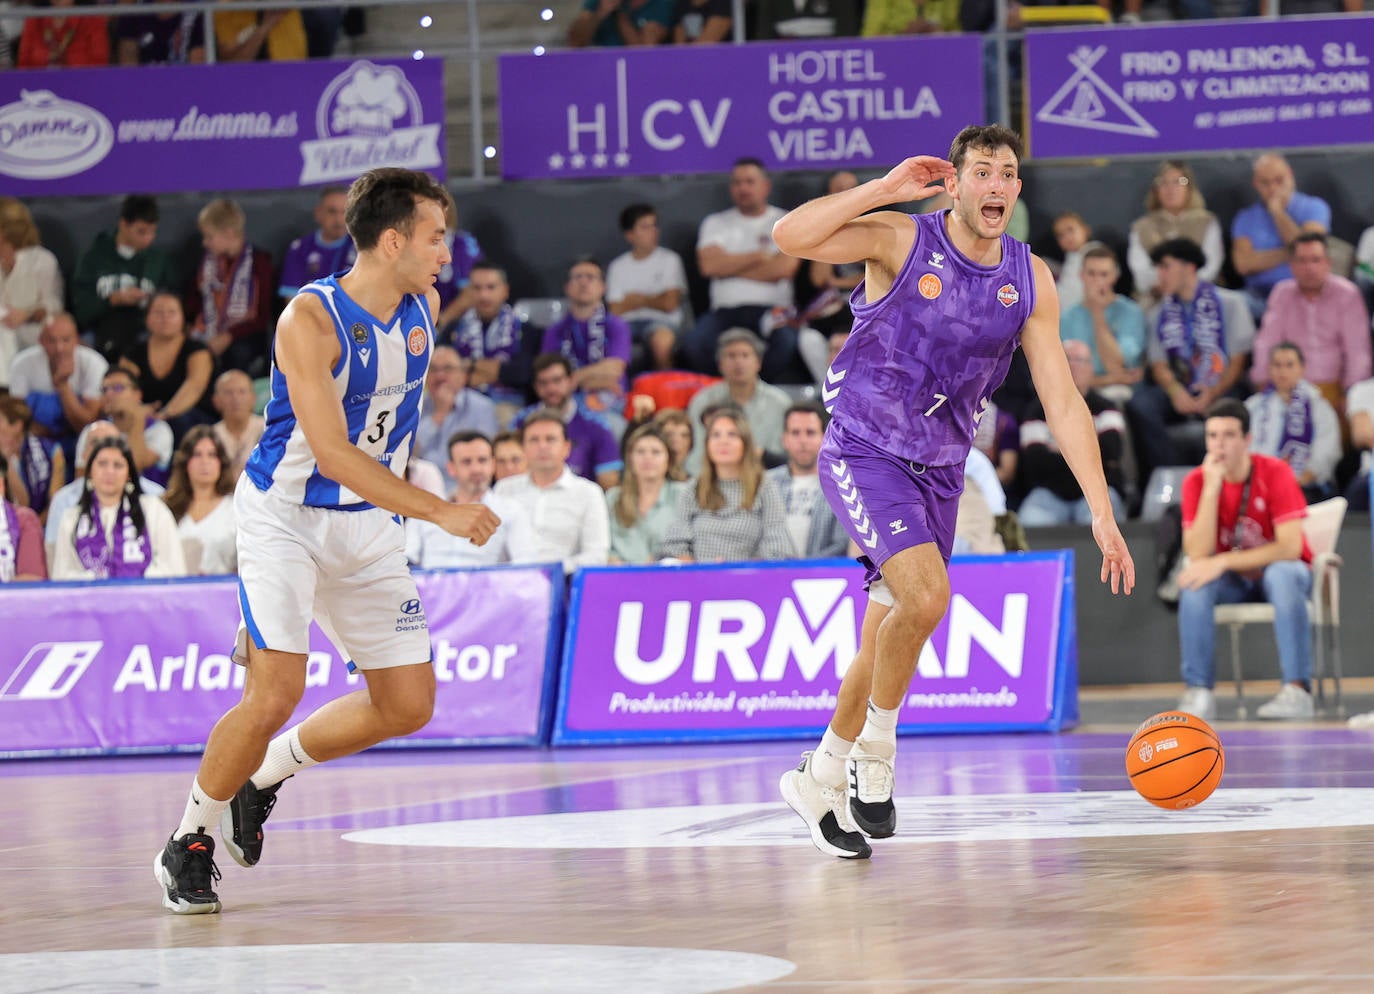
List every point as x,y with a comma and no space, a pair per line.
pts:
379,378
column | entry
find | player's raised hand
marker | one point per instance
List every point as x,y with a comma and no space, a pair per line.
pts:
912,178
1117,564
475,522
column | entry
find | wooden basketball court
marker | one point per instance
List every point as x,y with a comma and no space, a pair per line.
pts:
1022,863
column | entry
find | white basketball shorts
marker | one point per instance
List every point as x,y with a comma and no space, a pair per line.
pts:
345,569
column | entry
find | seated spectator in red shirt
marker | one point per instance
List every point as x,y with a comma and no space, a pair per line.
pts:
21,537
53,42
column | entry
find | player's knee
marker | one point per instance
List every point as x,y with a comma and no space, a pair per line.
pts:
408,717
921,608
269,711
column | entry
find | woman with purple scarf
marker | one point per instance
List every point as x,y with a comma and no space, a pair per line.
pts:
114,532
38,467
21,538
1291,420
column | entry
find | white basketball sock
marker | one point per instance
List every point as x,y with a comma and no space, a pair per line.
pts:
285,757
881,724
201,814
827,762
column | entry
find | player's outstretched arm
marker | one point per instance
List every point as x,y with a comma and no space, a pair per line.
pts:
1072,426
306,352
837,228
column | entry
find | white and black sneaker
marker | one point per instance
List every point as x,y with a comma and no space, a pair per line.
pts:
870,769
185,868
825,811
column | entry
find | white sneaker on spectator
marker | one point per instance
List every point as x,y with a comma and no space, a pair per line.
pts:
1365,720
1290,704
1199,701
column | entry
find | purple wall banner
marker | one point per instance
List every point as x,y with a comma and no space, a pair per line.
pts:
758,651
1192,88
264,125
144,666
695,109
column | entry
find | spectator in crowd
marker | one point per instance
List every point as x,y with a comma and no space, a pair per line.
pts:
200,495
910,17
148,439
322,26
238,428
21,537
1174,208
676,428
593,452
470,467
1291,420
749,276
1261,233
30,283
115,532
427,476
454,283
645,502
998,436
811,524
229,304
37,466
1242,534
981,505
617,23
1324,315
1199,345
116,276
567,514
67,497
255,35
325,251
733,512
508,455
1364,267
644,286
835,281
1110,325
449,406
155,38
60,41
489,336
1071,233
739,355
173,370
595,341
60,380
1053,496
702,22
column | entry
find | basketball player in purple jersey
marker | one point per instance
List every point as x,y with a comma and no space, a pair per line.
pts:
945,301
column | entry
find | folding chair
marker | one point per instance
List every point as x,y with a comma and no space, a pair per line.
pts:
1322,527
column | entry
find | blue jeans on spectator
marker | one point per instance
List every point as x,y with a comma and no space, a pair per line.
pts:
1042,507
698,343
1285,584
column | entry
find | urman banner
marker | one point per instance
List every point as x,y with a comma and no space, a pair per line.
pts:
696,109
1187,88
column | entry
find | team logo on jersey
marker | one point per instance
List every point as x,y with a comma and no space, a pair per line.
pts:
359,333
930,286
1007,294
417,340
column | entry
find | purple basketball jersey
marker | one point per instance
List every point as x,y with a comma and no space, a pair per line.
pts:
915,376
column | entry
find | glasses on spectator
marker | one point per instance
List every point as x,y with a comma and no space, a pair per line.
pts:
113,387
1176,181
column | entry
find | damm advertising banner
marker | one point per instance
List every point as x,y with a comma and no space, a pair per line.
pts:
758,651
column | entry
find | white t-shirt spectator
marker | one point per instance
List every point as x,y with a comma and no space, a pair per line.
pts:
568,519
659,271
210,545
32,374
738,235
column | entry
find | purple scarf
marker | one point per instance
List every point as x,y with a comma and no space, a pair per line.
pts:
1195,342
1291,439
35,469
498,339
129,555
226,305
9,542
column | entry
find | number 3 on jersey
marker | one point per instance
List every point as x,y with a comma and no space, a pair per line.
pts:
379,429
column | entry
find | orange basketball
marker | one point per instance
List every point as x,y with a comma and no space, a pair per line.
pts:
1175,760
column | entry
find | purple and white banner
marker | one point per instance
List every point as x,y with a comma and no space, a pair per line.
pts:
1195,88
758,651
144,666
696,109
264,125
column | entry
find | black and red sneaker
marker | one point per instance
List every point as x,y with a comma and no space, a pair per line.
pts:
186,870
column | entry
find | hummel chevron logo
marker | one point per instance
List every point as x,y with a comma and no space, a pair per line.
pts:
830,389
839,469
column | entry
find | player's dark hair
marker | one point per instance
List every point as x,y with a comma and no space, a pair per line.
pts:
989,137
384,199
138,207
631,215
1229,407
543,414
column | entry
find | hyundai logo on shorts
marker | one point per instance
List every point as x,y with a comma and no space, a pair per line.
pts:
411,607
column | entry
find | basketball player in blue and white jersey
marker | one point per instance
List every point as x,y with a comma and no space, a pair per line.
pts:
319,532
945,301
